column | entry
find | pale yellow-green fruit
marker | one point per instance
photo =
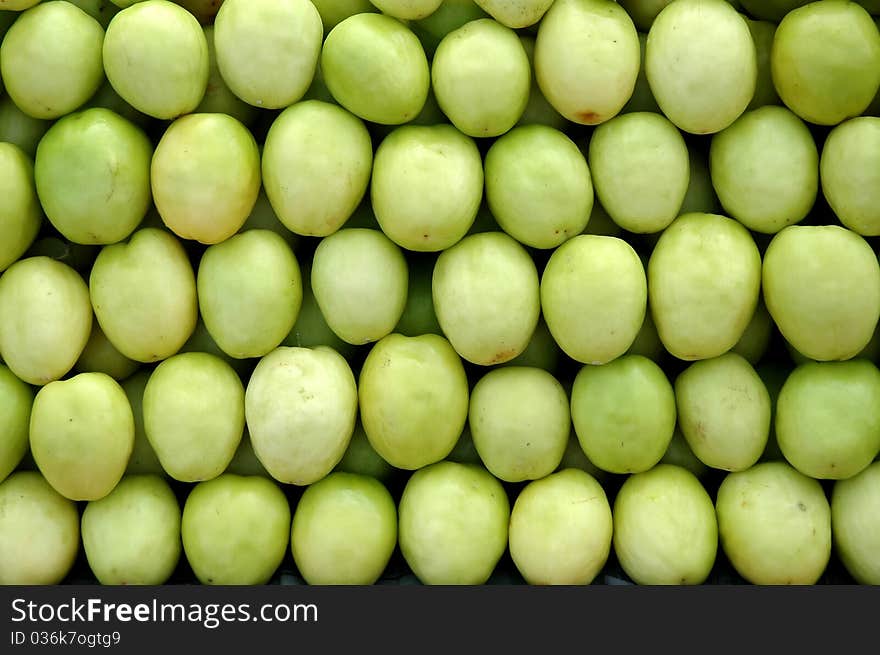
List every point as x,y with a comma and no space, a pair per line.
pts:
850,174
250,291
143,460
45,318
821,285
723,411
640,169
426,186
132,535
487,95
19,204
362,459
449,16
235,529
825,61
755,341
156,58
855,524
316,166
16,399
453,523
301,407
205,176
520,422
218,98
561,529
594,297
486,294
19,129
344,530
774,525
334,12
407,10
414,398
763,34
765,169
193,408
701,64
828,418
587,59
39,531
51,60
704,281
82,434
267,50
101,356
360,280
516,14
538,186
143,292
623,413
665,531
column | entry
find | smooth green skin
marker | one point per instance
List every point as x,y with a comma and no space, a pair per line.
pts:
101,10
267,50
486,294
538,110
132,535
665,532
763,33
316,166
426,187
360,280
587,80
850,174
250,291
755,340
821,285
642,99
376,68
724,411
448,17
594,297
538,186
16,399
541,352
39,531
561,529
825,61
680,454
704,281
418,315
520,422
194,418
205,176
486,96
245,460
362,459
219,98
623,413
414,397
700,196
143,459
643,12
19,204
516,14
19,129
774,525
765,169
45,319
407,10
334,12
156,58
453,524
235,530
828,418
50,59
701,87
641,170
143,292
82,434
301,407
344,530
101,356
855,524
92,172
771,10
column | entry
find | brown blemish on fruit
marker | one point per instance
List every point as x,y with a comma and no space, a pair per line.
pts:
503,356
587,117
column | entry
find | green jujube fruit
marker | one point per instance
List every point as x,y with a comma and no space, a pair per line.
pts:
587,59
45,319
538,111
19,129
516,14
855,524
101,356
92,173
821,285
19,205
249,290
407,10
193,408
594,297
334,12
16,399
143,292
219,98
623,413
704,281
82,434
414,396
763,34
